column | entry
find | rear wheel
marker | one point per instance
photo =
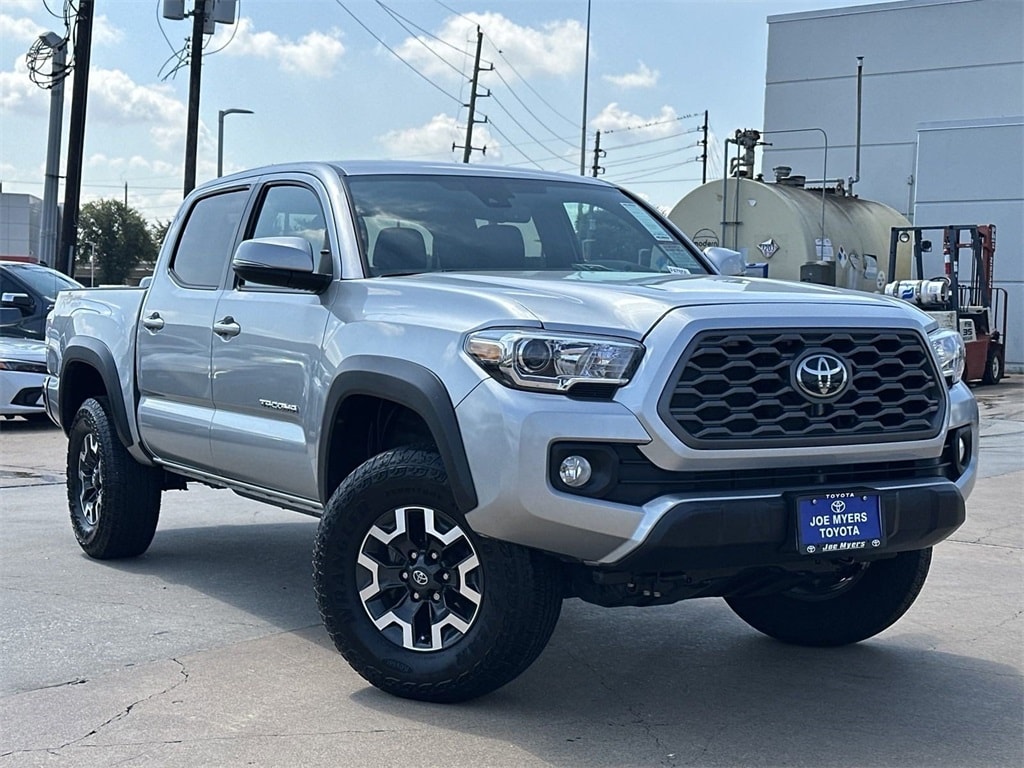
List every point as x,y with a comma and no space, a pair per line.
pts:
114,500
993,366
418,604
843,608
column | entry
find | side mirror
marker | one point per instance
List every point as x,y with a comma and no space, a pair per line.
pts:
20,301
726,261
286,262
9,316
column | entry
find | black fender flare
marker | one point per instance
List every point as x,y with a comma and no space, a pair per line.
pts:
415,387
95,354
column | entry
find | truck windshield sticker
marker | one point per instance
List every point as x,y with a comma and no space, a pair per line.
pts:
649,222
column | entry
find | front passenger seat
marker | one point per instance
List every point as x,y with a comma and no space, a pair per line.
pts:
399,250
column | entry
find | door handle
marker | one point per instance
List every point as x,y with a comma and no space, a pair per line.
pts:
153,322
226,327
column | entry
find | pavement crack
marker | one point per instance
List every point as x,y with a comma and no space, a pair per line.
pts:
183,677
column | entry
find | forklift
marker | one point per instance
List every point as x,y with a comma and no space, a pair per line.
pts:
972,306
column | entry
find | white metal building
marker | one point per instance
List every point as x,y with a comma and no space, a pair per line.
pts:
20,216
942,126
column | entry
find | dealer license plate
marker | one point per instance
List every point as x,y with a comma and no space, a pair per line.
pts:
838,521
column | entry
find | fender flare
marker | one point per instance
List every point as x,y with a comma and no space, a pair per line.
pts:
418,389
95,354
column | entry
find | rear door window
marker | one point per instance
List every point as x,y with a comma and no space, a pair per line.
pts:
206,241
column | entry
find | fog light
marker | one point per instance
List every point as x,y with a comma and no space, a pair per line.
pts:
963,449
575,471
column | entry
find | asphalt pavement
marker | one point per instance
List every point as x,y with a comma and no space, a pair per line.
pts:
208,651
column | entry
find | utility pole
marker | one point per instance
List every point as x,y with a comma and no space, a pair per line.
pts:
598,154
704,154
477,69
76,139
586,78
48,247
194,78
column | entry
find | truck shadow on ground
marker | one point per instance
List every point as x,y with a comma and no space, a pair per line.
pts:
673,685
691,685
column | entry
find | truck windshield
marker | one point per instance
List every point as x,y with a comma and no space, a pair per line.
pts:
418,223
43,280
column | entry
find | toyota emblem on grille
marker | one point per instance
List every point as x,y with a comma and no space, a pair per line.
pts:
821,375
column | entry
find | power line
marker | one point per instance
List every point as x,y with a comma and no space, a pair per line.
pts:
452,10
529,111
652,123
512,145
399,20
533,90
395,53
652,141
521,126
396,15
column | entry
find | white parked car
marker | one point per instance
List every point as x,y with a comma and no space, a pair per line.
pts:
22,370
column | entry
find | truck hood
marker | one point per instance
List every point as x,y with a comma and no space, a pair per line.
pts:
620,301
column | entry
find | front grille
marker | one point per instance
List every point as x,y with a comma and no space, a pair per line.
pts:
735,389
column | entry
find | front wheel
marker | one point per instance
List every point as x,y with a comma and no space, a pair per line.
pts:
843,608
114,500
418,604
993,367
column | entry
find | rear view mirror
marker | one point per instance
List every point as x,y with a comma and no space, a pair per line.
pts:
17,301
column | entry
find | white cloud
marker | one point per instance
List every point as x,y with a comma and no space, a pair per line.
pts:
614,118
314,54
433,141
555,48
18,94
27,30
115,98
644,77
105,33
19,29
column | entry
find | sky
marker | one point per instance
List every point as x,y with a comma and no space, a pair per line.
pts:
354,79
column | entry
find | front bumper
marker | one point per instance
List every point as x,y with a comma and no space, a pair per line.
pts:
508,437
20,393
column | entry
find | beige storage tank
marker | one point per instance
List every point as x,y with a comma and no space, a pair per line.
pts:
780,225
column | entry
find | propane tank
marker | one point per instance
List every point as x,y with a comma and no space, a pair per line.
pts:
924,293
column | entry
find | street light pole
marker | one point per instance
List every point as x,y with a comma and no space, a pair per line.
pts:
220,135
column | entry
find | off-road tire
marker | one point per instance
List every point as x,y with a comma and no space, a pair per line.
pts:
114,500
993,367
514,593
840,611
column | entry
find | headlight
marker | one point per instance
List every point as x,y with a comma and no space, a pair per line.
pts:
551,362
22,366
949,349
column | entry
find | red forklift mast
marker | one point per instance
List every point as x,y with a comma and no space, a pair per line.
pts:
970,300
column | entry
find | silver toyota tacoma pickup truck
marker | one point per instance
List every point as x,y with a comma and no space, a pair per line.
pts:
500,389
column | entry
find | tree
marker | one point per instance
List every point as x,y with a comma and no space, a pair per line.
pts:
118,237
158,231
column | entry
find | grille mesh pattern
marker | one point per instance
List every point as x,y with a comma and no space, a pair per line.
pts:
735,388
